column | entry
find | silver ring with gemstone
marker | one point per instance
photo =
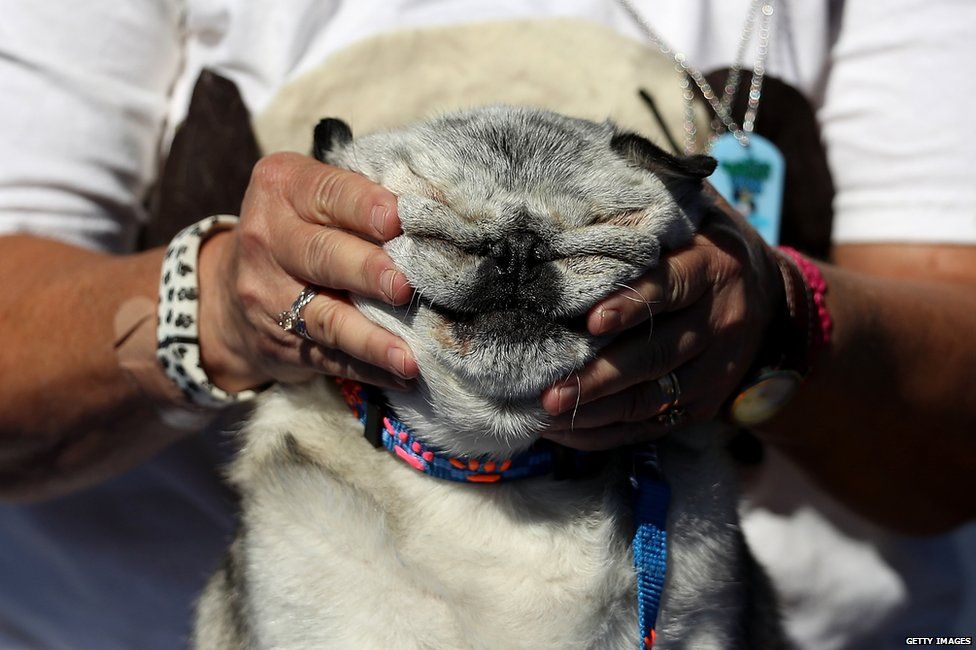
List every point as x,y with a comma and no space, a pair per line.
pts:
291,320
672,417
670,388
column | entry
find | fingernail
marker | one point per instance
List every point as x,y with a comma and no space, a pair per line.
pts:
557,399
609,321
391,284
380,219
398,362
567,396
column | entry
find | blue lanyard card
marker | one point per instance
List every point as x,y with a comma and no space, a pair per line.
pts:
751,179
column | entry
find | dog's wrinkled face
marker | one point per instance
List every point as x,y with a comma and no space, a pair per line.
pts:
515,222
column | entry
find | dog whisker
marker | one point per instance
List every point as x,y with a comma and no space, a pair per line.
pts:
579,390
647,303
416,295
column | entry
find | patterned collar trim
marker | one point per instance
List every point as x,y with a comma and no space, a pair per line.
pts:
403,443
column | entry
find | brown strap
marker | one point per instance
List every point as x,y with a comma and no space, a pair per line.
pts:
793,335
209,162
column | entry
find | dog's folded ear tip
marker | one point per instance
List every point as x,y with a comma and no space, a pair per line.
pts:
699,165
642,152
332,122
331,133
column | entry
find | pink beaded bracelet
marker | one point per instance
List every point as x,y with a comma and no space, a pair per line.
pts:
795,336
821,324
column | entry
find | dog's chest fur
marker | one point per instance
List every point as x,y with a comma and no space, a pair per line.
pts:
353,549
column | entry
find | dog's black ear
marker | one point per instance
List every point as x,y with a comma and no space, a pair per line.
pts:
330,134
644,153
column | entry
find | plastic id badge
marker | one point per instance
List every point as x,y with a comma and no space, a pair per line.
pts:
751,179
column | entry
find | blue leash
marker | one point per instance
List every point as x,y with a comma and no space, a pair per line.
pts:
651,494
651,498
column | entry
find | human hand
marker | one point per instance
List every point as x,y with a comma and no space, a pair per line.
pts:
712,303
302,223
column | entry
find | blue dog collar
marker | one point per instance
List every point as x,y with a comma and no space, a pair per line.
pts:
400,441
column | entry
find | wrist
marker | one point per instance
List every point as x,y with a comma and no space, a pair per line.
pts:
178,327
800,324
777,323
813,288
799,328
222,349
135,345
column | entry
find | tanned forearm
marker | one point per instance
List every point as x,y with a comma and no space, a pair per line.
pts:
887,421
69,415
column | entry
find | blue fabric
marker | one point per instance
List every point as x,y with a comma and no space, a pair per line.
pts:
117,566
650,549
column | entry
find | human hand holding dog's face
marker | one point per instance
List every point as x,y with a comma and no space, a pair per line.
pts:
302,223
712,302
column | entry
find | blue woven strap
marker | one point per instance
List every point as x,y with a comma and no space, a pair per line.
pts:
401,441
650,551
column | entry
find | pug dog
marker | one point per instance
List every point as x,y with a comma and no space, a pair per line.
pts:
515,222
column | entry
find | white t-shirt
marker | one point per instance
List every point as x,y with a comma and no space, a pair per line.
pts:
89,91
93,91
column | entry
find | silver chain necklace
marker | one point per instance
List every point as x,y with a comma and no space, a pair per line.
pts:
722,108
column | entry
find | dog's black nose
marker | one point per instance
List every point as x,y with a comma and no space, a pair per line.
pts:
516,256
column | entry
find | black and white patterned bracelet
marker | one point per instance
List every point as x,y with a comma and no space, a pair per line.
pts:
177,334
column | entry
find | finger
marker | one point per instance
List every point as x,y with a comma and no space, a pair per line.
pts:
635,404
328,257
327,195
335,323
641,402
297,359
708,380
339,364
300,360
630,360
679,281
610,437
